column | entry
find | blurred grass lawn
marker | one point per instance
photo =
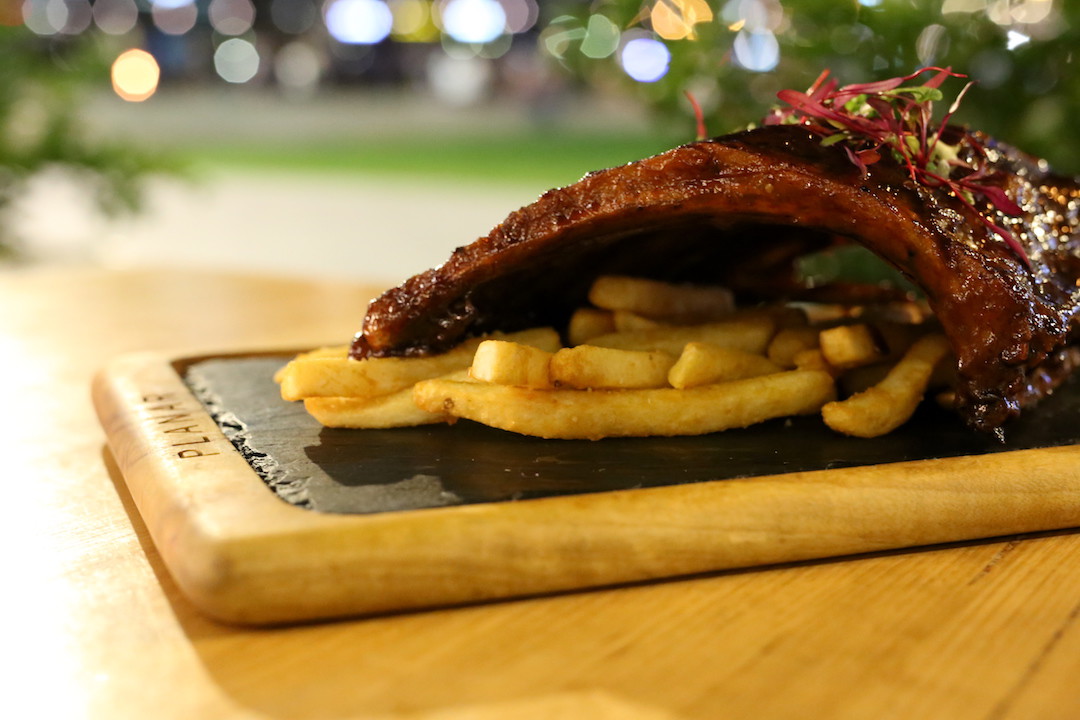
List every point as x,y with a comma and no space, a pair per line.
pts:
529,157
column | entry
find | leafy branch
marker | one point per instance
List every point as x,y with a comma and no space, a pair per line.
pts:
43,82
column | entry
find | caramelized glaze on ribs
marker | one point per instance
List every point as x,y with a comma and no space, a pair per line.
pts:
737,210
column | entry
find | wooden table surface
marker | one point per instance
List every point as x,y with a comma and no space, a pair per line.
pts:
97,629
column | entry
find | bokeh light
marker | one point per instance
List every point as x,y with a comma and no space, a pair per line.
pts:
1015,39
473,21
756,51
236,61
293,16
79,17
45,17
298,67
115,17
962,6
602,37
231,17
991,68
557,38
675,20
174,17
135,75
932,44
753,15
645,59
521,15
413,21
734,54
1027,12
459,81
358,22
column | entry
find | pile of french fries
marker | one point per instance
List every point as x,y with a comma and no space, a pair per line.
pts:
643,358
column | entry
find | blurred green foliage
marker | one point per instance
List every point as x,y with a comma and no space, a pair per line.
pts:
1023,54
42,85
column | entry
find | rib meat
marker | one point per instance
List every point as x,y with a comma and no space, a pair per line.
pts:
738,210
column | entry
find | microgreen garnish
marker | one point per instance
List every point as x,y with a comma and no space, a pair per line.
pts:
894,117
699,116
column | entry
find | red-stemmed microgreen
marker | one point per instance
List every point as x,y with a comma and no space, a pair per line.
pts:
895,117
699,116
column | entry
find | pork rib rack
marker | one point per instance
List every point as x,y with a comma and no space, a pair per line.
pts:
738,210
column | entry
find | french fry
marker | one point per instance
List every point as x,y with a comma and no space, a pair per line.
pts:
587,366
587,323
890,403
749,334
703,363
661,300
339,351
826,313
946,399
386,411
576,414
789,342
857,380
651,358
911,313
510,363
344,377
626,321
812,359
848,346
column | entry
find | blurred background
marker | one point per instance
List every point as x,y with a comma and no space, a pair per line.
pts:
365,139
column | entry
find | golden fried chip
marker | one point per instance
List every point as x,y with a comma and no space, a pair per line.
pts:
812,359
891,402
848,346
626,321
338,351
749,334
857,380
595,414
704,363
587,323
789,342
661,300
588,366
386,411
510,363
344,377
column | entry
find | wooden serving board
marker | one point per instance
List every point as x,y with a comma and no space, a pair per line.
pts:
264,517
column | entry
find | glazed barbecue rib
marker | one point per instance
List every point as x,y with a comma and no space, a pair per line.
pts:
738,210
